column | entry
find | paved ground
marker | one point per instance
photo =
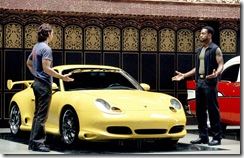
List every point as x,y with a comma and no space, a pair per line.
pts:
11,147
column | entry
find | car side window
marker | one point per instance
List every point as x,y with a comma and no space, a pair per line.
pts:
231,73
56,80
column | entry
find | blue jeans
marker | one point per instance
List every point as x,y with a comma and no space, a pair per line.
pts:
43,96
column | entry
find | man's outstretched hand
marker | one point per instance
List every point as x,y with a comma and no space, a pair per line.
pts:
178,77
213,75
66,78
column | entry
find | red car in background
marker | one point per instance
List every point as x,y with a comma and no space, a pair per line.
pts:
228,94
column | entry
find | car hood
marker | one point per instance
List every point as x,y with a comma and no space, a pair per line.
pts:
129,99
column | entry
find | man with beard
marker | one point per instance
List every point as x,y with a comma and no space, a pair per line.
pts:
209,66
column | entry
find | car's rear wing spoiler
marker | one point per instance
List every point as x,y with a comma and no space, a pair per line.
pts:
10,83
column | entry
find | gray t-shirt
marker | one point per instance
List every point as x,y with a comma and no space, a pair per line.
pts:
201,58
41,51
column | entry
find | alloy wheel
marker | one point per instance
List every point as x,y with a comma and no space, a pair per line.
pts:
15,120
69,127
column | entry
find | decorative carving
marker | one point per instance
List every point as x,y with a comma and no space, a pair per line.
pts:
228,40
149,39
93,38
198,43
31,35
130,39
185,40
235,25
73,37
13,35
167,40
57,40
111,38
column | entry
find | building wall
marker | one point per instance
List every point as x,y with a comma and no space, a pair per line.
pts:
147,47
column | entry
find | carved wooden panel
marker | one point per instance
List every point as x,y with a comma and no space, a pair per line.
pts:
73,37
31,35
198,43
130,39
149,39
167,40
93,38
13,35
228,40
111,38
185,40
57,41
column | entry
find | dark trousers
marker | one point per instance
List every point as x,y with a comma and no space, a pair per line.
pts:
43,95
207,99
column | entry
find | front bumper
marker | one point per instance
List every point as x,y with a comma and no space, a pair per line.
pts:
137,126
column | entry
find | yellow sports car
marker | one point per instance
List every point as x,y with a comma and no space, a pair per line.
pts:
103,103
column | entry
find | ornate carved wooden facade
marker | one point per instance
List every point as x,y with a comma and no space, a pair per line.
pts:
150,48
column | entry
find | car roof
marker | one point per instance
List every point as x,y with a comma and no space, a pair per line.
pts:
232,61
73,66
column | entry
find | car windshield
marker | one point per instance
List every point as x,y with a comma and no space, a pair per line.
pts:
90,79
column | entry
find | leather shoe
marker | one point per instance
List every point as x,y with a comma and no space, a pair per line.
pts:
41,148
214,142
29,147
199,141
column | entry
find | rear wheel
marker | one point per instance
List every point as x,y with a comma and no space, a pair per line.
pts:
15,120
69,127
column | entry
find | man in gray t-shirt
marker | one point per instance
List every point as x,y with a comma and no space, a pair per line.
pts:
40,64
41,51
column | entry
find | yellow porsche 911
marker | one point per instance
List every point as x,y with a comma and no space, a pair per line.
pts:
103,103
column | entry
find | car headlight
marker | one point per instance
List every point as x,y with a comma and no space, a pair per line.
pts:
105,106
175,104
102,105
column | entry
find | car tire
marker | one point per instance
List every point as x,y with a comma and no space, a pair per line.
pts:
69,127
15,120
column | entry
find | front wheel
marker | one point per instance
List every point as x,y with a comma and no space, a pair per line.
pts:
69,127
15,120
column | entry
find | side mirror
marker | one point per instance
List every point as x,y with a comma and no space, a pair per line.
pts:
54,86
145,86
